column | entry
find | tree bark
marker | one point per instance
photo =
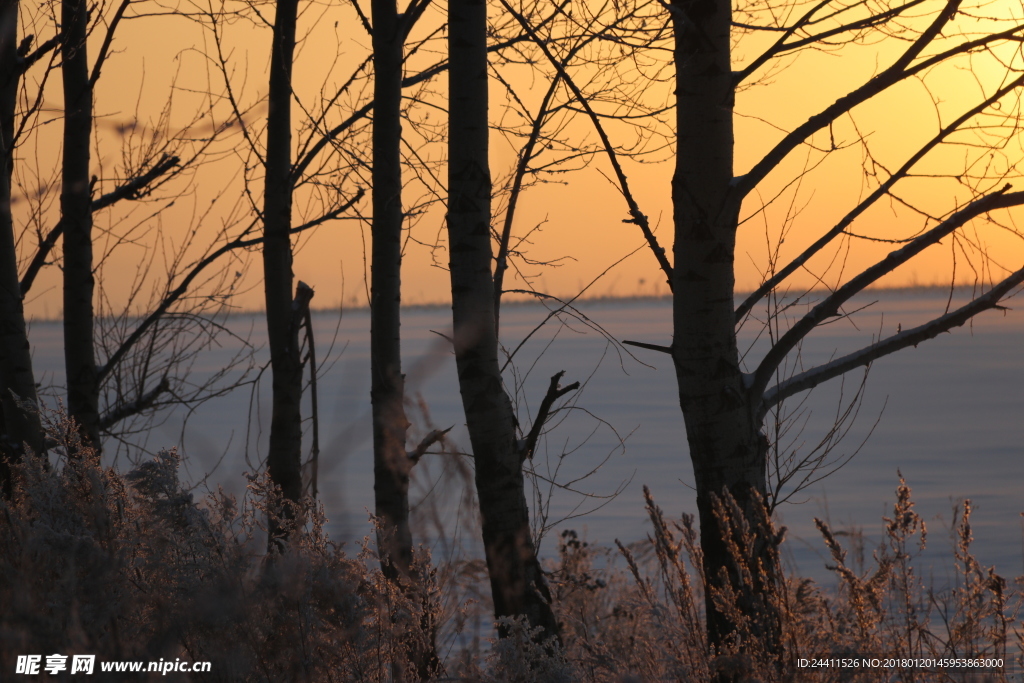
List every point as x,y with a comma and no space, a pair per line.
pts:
517,583
391,465
727,448
76,217
285,453
20,428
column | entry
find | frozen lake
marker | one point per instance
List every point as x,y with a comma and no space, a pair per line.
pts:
948,416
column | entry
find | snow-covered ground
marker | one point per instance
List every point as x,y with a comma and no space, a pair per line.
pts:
952,420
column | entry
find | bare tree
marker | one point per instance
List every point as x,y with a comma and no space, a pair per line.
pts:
19,420
284,458
391,464
76,218
484,259
518,587
724,407
121,367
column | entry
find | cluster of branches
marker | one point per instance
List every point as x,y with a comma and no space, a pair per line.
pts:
129,341
408,126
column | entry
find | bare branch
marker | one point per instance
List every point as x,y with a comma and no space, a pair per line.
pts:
445,337
880,191
933,31
300,167
649,347
126,410
25,62
780,46
554,393
525,156
363,18
815,376
636,216
183,286
133,189
831,304
899,71
408,19
107,39
429,440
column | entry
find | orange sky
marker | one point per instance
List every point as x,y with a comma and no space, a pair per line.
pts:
581,213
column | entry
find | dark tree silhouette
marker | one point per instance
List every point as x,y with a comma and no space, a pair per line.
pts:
76,219
19,419
118,368
284,458
517,582
391,465
724,407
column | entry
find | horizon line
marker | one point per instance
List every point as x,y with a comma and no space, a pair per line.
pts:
525,301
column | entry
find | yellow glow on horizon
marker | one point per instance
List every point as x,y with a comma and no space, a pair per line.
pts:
580,214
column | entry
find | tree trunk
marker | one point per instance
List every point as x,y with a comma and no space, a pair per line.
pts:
517,583
722,424
19,427
76,217
285,454
391,465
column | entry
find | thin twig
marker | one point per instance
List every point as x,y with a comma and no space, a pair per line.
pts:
133,189
650,347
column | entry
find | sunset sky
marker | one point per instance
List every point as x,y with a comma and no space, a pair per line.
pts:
579,213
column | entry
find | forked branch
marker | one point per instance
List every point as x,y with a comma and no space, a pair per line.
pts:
897,72
636,215
429,440
27,59
811,378
133,189
125,410
831,304
554,393
882,190
783,44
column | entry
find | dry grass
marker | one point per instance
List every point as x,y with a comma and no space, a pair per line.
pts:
651,627
132,567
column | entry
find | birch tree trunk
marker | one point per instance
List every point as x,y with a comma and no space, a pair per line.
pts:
285,453
76,217
391,465
722,421
517,583
19,428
